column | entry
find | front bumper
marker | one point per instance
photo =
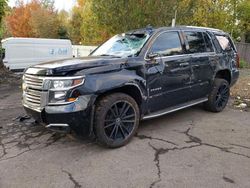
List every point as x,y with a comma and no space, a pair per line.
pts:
77,115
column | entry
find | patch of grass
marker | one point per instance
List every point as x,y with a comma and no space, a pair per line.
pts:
244,64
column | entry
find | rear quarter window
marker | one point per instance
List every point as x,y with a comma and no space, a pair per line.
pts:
225,42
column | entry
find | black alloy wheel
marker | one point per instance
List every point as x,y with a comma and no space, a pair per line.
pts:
222,96
116,119
219,96
120,121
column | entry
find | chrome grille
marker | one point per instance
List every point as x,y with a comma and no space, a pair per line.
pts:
32,91
33,81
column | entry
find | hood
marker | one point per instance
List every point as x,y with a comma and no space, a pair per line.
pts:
67,66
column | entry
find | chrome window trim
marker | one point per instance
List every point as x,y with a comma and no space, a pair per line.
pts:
182,30
203,32
210,41
203,53
173,56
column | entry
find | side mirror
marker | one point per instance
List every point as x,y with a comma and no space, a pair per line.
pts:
152,55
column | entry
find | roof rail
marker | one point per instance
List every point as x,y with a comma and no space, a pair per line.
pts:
208,28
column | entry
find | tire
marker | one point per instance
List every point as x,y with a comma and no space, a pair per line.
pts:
116,120
219,96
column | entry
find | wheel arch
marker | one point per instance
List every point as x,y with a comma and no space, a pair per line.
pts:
132,90
224,74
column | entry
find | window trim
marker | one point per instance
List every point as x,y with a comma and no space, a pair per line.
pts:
187,43
229,39
203,32
154,39
209,37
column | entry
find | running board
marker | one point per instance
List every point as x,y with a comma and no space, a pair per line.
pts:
175,108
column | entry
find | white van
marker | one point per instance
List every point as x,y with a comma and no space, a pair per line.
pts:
82,51
21,53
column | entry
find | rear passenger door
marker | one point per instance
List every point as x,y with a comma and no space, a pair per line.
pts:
200,48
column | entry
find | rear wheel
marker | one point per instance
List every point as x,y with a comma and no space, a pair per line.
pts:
219,96
116,119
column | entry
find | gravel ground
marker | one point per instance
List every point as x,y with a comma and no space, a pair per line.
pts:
241,91
189,148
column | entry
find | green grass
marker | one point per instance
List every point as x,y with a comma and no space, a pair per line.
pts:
244,64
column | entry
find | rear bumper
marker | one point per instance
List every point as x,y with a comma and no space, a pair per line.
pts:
235,76
75,116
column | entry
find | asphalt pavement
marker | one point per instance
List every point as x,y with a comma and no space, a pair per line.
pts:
190,148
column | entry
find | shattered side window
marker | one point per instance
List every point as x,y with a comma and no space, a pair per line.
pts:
224,42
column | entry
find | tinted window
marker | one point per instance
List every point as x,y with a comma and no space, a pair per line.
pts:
209,46
196,42
167,44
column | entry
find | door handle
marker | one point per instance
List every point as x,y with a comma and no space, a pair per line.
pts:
196,66
184,64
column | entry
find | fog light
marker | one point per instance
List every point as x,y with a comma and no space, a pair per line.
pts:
60,95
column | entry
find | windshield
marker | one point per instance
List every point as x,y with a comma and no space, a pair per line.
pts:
123,45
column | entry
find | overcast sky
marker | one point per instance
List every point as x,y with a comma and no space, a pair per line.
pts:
59,4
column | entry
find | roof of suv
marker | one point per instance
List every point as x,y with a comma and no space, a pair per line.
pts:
152,30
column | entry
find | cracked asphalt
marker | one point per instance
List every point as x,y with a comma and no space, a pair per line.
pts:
189,148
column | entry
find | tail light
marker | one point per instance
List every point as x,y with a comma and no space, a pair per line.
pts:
237,60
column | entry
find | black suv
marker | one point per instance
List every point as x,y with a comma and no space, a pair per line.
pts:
133,76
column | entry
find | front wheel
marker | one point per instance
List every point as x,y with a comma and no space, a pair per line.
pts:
219,96
116,119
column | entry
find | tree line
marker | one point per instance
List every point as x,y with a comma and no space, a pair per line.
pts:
90,22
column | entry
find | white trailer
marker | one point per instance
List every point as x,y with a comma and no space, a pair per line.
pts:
21,53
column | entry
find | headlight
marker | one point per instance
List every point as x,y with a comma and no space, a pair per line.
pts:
59,89
65,83
61,84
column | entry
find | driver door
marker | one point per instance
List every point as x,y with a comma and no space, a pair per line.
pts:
168,72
